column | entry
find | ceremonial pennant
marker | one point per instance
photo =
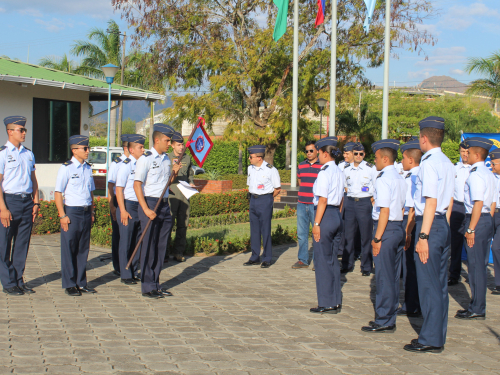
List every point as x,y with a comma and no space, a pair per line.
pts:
281,19
200,144
370,8
320,17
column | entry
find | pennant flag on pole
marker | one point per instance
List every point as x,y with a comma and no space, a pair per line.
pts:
320,17
281,19
370,8
200,144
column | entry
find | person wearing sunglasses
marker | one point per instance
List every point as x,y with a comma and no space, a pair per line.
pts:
360,181
19,206
76,214
495,248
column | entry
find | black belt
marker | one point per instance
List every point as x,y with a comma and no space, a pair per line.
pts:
328,206
130,202
23,196
259,195
359,199
164,200
458,202
79,208
482,214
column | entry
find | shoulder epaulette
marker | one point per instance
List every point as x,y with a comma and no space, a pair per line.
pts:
408,175
427,157
269,166
456,163
3,148
66,163
347,165
324,167
126,161
148,153
117,159
370,165
27,148
86,162
473,169
380,174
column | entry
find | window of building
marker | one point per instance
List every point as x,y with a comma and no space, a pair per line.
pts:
54,121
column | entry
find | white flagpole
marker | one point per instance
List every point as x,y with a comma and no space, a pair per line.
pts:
293,182
385,106
333,68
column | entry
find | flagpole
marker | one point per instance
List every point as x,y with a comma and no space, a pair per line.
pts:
333,69
385,106
293,182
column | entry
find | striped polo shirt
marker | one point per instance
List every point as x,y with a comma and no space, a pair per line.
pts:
307,173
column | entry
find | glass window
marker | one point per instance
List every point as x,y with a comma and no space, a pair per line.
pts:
97,157
54,121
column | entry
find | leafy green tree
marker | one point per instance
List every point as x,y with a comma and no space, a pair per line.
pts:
225,49
63,63
490,68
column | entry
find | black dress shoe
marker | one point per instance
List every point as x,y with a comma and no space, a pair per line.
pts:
153,294
129,281
165,292
470,315
265,265
136,278
73,291
453,282
251,263
116,273
496,290
85,289
326,310
374,327
406,313
27,289
416,347
365,273
346,270
14,291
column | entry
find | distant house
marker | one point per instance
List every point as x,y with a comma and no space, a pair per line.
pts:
56,105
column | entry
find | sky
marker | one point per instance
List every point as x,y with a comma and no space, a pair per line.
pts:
463,29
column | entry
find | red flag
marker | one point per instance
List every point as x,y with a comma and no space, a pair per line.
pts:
320,17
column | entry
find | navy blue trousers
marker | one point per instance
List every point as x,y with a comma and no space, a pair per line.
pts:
339,241
261,213
358,214
411,302
388,273
496,248
326,263
13,255
75,244
128,239
154,245
457,228
477,259
115,239
433,282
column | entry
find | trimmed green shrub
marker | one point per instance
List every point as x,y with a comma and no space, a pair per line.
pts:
451,149
215,204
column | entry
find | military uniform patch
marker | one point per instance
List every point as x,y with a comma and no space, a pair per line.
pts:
66,163
380,174
269,166
473,169
3,148
148,153
117,160
126,161
427,157
370,165
324,167
408,175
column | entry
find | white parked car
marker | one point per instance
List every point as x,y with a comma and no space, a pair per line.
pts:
97,158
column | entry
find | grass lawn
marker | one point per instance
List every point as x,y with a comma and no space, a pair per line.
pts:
238,230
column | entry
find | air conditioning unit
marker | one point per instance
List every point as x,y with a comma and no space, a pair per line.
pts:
46,193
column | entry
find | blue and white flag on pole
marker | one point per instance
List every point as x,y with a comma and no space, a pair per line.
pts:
370,8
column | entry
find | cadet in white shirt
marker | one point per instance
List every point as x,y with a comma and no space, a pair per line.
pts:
495,247
263,185
76,213
360,180
328,190
152,173
388,235
457,218
480,197
433,194
128,209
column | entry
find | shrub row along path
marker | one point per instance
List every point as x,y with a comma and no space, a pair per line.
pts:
223,319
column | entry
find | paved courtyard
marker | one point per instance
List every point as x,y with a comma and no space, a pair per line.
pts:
223,319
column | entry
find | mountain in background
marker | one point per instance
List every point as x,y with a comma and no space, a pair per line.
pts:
441,83
137,110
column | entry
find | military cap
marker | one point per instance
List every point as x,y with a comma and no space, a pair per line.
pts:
257,149
136,138
479,142
495,154
80,140
348,146
409,145
16,120
464,145
165,129
385,143
358,147
124,137
432,122
327,141
177,137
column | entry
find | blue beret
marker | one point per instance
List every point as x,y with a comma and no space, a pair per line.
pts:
258,149
432,122
16,120
124,137
358,147
348,146
327,141
479,142
80,140
165,129
136,138
495,154
177,137
464,145
409,145
385,143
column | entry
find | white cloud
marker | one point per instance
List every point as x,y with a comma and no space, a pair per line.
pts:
444,56
2,10
94,8
54,25
457,72
421,74
460,17
31,12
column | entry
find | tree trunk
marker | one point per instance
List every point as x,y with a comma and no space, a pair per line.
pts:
240,161
270,151
119,125
288,160
112,126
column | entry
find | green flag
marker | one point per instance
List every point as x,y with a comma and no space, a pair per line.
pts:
281,18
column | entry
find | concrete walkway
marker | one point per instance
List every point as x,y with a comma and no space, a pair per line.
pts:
223,319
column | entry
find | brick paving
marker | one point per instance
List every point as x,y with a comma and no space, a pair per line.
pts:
223,319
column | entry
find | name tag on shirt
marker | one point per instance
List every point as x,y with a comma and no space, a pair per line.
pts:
365,188
260,187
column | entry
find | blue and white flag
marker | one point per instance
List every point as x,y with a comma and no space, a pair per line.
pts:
370,8
200,144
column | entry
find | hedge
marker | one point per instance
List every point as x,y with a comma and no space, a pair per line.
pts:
240,180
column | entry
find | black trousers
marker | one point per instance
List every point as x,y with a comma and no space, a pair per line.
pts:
128,239
261,213
457,228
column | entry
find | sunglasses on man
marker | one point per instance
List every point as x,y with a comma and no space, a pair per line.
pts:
309,151
21,130
359,154
84,148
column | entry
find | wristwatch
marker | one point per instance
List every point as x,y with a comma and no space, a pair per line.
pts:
470,231
377,240
423,236
316,224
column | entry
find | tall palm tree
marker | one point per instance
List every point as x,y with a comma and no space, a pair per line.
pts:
64,63
490,68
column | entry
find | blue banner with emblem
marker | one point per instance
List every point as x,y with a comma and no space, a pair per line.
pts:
200,144
495,138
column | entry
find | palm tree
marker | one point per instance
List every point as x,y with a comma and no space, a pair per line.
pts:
489,67
63,64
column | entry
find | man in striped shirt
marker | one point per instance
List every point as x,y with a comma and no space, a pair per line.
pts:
307,173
